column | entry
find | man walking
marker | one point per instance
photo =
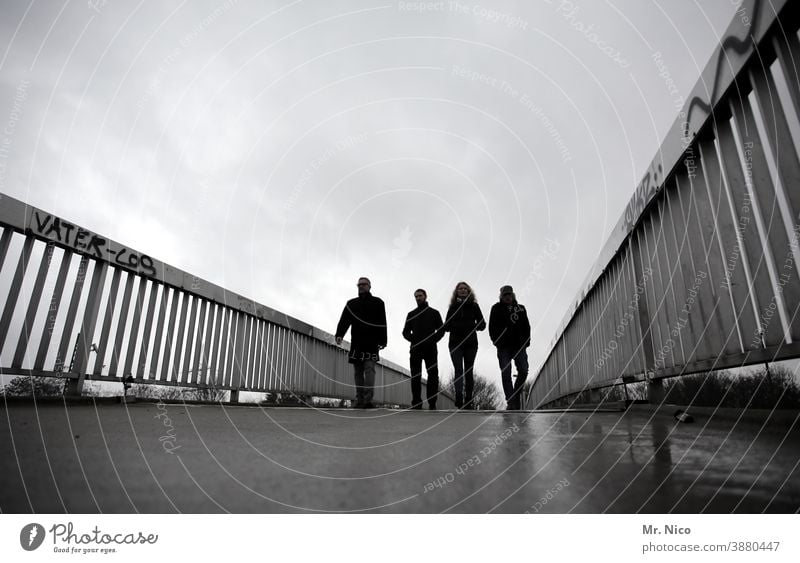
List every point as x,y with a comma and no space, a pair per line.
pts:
423,330
510,331
366,314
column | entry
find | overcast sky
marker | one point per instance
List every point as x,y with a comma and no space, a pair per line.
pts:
283,149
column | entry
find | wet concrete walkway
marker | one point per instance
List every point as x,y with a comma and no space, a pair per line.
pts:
149,458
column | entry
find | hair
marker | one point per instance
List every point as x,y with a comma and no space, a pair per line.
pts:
365,278
425,293
470,297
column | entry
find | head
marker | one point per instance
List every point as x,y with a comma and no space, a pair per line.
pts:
507,295
462,292
421,297
363,285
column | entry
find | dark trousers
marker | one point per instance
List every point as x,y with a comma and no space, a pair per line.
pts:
511,390
364,373
463,364
432,391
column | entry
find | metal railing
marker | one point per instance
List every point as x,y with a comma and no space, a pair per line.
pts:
115,313
701,271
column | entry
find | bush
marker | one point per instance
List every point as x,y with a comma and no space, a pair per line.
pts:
34,386
173,393
756,390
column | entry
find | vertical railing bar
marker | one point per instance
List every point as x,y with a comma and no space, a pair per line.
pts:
106,327
134,334
33,306
5,243
88,324
256,361
197,376
144,350
205,356
667,279
186,365
789,59
16,286
175,372
122,321
238,350
752,253
55,304
72,311
244,357
216,349
169,338
230,348
702,308
724,320
205,359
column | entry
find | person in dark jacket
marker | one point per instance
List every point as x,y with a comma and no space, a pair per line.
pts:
464,319
423,330
510,331
366,314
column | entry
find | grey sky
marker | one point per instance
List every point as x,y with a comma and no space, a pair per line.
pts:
281,150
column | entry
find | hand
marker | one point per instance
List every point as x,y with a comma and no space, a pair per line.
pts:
338,340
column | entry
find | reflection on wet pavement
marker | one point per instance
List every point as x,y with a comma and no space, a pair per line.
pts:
111,459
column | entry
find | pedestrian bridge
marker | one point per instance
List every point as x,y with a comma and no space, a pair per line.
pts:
701,273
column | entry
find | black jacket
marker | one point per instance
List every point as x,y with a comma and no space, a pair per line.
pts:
509,327
463,321
366,314
422,329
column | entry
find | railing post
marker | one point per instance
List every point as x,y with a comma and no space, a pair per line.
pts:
85,346
655,391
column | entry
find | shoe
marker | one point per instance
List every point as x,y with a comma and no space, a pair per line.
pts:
417,407
431,407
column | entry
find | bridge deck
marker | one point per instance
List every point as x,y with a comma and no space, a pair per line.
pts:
114,458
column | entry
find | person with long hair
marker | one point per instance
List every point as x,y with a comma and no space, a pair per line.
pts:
464,320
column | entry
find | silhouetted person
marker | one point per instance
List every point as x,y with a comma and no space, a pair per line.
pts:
366,314
423,330
464,319
510,331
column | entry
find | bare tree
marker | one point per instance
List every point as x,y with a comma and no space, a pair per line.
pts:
485,394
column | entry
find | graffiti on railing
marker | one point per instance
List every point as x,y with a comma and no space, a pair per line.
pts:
643,194
87,242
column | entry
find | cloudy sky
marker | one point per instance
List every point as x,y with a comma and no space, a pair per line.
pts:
282,149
